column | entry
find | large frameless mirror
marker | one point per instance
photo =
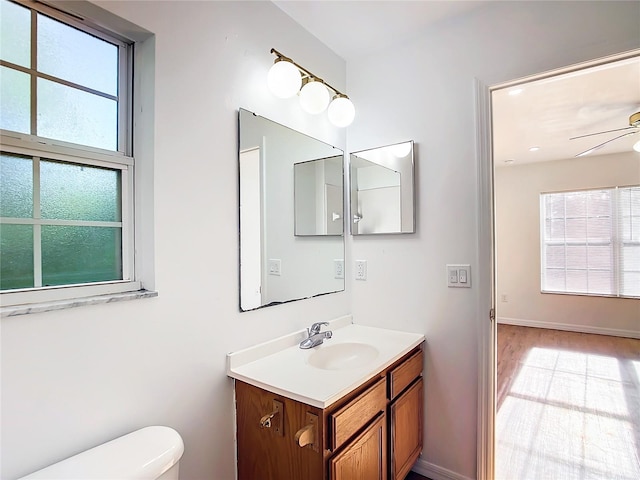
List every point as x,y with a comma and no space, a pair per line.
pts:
291,189
382,190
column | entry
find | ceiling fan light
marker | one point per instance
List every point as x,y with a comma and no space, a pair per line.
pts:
341,111
636,146
284,79
314,97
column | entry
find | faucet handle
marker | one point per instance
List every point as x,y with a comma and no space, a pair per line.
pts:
315,328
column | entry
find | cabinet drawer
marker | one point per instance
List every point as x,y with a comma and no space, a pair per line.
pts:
346,421
405,373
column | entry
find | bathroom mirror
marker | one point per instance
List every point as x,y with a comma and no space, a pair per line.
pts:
382,190
318,191
278,264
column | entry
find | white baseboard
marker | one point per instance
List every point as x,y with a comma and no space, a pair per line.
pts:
435,472
570,327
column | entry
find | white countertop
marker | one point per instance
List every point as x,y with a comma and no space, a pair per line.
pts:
281,366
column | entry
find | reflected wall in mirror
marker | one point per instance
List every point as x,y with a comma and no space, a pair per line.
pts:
276,265
318,190
382,190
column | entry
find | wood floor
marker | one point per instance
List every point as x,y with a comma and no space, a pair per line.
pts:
568,405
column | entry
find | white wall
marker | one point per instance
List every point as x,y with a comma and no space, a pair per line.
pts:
517,190
423,89
75,378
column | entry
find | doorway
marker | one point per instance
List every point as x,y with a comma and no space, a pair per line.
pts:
503,300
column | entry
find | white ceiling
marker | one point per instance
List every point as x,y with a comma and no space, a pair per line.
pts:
355,27
546,114
550,111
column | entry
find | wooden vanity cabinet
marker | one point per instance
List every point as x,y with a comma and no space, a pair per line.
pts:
374,432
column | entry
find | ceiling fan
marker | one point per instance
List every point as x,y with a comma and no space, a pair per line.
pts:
634,127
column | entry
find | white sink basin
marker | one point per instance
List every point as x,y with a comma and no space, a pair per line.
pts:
343,356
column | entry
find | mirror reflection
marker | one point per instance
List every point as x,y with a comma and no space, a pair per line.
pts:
278,264
318,196
382,190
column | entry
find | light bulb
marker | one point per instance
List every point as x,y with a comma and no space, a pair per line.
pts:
341,111
314,97
284,79
636,146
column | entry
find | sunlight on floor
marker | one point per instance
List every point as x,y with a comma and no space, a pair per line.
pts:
570,415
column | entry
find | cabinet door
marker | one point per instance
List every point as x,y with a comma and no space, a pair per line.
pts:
365,458
406,430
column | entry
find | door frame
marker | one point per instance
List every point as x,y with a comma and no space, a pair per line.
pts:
486,250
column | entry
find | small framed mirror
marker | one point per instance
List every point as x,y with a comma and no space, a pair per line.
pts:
318,196
382,190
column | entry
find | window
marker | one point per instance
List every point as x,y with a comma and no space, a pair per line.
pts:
591,242
66,171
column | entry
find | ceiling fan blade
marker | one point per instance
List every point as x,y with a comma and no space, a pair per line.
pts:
606,131
598,147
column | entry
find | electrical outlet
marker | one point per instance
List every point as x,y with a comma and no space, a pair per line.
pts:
361,269
338,269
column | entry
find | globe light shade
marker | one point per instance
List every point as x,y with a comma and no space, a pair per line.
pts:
314,97
284,79
636,146
401,150
341,111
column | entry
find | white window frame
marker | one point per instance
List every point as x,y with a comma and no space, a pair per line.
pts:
44,148
615,239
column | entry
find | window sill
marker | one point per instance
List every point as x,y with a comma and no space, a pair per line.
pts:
16,310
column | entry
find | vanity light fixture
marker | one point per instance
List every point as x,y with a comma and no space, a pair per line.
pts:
285,79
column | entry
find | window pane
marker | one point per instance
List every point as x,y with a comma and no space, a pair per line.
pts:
577,281
15,33
554,205
79,192
577,256
16,186
599,229
554,281
576,205
72,255
555,257
67,53
599,203
631,258
631,284
601,257
71,115
554,230
576,229
601,283
16,262
15,100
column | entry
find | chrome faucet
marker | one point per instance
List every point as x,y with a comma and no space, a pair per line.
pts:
315,336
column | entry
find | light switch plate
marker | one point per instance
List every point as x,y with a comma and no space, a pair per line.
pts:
275,266
459,275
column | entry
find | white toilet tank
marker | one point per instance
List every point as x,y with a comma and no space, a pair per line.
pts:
151,453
